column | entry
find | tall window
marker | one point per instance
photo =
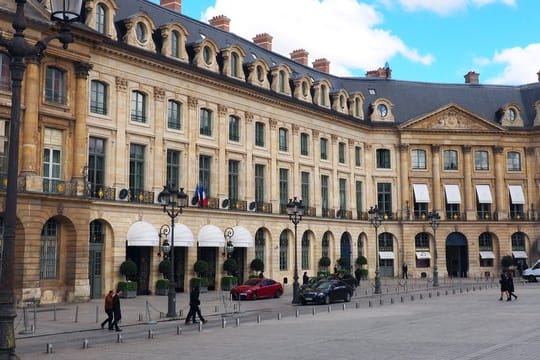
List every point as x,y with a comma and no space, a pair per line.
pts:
360,247
305,188
175,44
173,168
138,106
233,180
283,189
282,79
513,161
485,244
383,158
304,144
283,143
305,251
358,190
384,198
101,19
55,85
343,194
341,148
98,97
174,115
48,250
234,129
386,242
324,149
418,159
357,156
450,158
422,245
5,73
325,245
136,168
259,134
205,122
324,193
283,251
96,165
518,241
259,244
52,160
481,160
324,95
204,173
259,183
235,61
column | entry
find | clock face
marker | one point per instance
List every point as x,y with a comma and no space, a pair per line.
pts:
382,110
511,114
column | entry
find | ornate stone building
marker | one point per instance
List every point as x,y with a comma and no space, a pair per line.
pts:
148,96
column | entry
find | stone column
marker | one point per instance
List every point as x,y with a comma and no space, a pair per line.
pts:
404,179
500,190
249,135
436,173
222,163
193,133
80,143
468,188
295,146
119,143
274,170
316,172
159,174
530,161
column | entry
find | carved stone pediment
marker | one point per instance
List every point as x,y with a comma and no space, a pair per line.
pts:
452,118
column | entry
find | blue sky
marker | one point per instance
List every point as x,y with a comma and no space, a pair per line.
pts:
422,40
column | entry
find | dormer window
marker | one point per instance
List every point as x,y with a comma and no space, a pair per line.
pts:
510,114
382,110
260,73
141,32
234,64
281,80
207,55
101,19
175,44
304,89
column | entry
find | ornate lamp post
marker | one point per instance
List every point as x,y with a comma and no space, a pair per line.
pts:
295,210
434,220
173,202
19,49
375,218
229,246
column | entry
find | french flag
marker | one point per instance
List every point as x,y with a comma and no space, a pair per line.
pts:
203,201
195,200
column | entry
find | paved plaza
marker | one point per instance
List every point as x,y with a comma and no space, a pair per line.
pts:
467,322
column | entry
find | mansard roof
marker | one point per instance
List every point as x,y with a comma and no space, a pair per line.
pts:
411,99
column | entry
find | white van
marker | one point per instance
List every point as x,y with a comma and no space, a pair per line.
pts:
533,273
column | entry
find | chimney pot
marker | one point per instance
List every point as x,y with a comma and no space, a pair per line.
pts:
174,5
471,77
221,22
384,73
264,40
322,65
300,56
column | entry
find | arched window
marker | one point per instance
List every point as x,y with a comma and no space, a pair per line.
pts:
101,18
423,256
357,107
513,161
485,245
386,242
234,128
235,61
98,97
207,55
205,126
360,247
48,250
175,44
97,233
518,242
138,106
283,251
281,81
305,251
174,115
325,246
324,94
259,244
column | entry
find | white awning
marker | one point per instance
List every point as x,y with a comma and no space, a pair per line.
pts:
211,236
484,194
421,193
487,255
453,195
516,194
182,236
423,255
242,237
142,233
386,255
519,254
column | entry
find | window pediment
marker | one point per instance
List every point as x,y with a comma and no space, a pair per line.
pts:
340,101
382,110
206,55
233,62
110,8
302,88
356,105
258,71
168,33
139,30
510,115
321,94
280,79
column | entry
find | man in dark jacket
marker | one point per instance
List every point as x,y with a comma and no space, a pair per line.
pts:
116,311
194,308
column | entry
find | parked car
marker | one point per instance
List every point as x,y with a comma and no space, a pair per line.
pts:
326,291
533,273
257,288
347,278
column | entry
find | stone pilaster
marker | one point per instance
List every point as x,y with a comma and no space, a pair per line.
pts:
80,136
500,191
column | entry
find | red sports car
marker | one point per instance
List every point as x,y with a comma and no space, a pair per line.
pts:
257,288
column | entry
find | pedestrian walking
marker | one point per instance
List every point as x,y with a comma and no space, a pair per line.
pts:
194,308
510,287
305,278
116,311
108,310
504,286
404,271
358,276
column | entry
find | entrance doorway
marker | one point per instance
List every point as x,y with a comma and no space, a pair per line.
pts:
239,254
141,256
346,252
95,258
179,267
209,254
457,255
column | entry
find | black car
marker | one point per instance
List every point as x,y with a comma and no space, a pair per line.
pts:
347,278
326,291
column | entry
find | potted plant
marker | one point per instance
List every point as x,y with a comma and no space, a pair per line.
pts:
162,286
201,269
360,262
324,262
256,265
164,268
230,266
202,283
129,270
228,282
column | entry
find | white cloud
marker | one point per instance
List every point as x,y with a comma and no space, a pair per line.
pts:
446,7
349,34
520,65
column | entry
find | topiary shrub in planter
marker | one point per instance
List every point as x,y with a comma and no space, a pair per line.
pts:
364,273
128,288
202,283
230,266
129,270
361,261
324,262
507,261
228,282
164,268
200,268
162,286
256,265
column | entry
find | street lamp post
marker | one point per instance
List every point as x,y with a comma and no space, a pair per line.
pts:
375,218
173,202
295,210
434,221
19,49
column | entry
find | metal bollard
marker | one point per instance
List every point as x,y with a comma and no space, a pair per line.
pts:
344,307
357,305
329,308
412,297
438,293
279,316
223,323
85,343
54,312
140,317
402,299
313,311
181,312
391,300
258,319
297,313
49,348
77,313
150,334
369,303
237,322
119,338
200,326
97,314
421,296
429,295
178,330
380,301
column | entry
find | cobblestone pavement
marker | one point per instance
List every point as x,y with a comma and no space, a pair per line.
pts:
467,322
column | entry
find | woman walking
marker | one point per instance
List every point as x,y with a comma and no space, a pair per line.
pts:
504,286
108,310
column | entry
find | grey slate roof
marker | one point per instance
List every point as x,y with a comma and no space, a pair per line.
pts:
410,99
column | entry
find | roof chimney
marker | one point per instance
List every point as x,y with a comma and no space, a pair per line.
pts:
383,73
471,77
263,40
174,5
221,22
322,65
300,56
